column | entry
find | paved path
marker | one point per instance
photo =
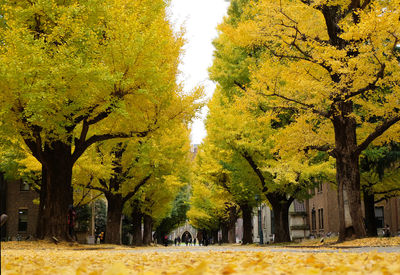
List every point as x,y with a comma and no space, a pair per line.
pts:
257,249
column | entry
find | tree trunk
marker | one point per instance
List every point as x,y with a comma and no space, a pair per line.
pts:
233,216
247,224
232,234
280,206
148,224
224,231
58,194
347,164
229,226
342,224
214,234
137,216
370,220
114,218
41,222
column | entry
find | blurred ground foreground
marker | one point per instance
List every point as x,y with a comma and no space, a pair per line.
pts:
47,258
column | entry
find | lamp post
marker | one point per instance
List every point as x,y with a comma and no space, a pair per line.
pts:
260,232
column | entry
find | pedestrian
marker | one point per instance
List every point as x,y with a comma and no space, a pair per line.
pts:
179,240
386,231
166,240
194,242
175,241
200,237
71,217
3,219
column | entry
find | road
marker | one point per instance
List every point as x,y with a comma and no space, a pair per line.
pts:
234,248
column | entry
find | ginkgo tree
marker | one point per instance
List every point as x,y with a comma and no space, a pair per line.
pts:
170,153
213,202
336,63
245,148
251,132
136,169
74,73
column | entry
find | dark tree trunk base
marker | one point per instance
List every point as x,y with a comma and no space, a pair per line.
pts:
137,216
280,207
148,223
247,224
114,218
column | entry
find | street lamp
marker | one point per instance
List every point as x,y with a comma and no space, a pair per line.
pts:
260,232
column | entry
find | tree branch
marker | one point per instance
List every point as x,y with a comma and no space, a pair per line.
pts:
370,86
80,149
307,106
94,188
136,189
387,191
379,130
323,148
240,85
256,169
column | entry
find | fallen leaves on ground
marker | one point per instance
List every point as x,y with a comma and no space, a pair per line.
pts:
365,242
187,261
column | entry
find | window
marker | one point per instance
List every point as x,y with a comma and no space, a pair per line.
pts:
321,218
313,220
299,206
23,186
312,193
22,220
379,217
319,188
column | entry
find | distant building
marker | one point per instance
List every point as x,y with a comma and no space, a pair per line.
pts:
323,214
17,201
194,149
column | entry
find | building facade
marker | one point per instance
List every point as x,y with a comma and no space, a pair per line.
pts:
18,202
323,215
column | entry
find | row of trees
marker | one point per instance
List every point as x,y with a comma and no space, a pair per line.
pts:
90,101
307,91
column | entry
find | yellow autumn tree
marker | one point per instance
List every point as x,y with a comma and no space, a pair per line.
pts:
74,73
145,170
336,63
212,204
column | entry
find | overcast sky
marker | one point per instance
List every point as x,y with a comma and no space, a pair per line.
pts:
200,19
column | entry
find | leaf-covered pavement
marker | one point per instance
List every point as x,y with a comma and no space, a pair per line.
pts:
66,259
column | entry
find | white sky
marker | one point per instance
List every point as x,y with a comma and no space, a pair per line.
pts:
200,19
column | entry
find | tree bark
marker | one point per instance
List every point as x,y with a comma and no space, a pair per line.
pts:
57,193
224,231
342,224
214,234
147,230
232,234
370,220
229,226
41,222
280,206
137,216
233,215
347,165
247,224
114,218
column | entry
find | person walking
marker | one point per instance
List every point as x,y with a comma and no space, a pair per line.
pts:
71,218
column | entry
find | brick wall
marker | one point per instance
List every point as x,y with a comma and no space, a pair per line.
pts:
16,200
325,198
